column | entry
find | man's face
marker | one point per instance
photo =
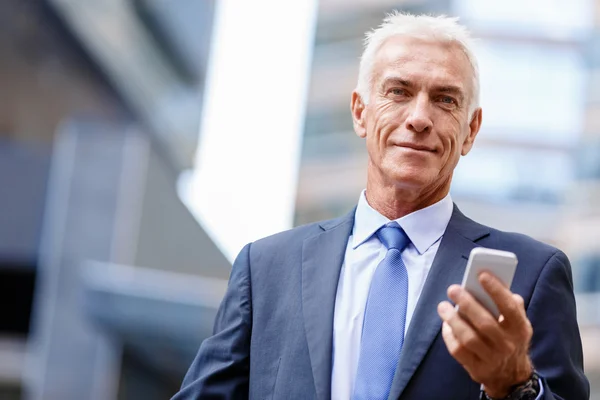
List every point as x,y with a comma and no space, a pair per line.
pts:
416,123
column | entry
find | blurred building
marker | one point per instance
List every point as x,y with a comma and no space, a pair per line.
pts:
107,281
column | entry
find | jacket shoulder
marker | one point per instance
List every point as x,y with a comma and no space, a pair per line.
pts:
292,239
289,237
519,240
530,252
533,255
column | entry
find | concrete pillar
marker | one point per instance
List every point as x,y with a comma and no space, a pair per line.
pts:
244,183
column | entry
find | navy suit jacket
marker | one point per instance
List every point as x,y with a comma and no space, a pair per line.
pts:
273,332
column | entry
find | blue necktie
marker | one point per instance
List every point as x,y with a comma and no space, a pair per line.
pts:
385,317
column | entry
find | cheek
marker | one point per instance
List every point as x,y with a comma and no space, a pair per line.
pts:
385,119
452,145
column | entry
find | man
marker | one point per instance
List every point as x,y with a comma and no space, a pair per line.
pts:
355,308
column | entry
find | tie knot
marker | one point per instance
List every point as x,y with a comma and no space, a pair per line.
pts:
392,236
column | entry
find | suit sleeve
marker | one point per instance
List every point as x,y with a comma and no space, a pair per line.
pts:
220,369
556,349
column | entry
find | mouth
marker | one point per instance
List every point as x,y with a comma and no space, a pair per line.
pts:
416,147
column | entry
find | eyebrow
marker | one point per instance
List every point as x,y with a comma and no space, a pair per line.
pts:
448,89
397,81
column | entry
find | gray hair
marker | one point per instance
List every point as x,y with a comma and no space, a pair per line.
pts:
439,29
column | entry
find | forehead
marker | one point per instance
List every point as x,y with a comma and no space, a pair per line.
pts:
423,61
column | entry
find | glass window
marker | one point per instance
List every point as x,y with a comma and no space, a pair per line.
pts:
513,174
531,92
549,18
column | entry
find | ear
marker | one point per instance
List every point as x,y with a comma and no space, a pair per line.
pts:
357,107
474,127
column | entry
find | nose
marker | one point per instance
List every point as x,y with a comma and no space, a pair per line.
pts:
419,119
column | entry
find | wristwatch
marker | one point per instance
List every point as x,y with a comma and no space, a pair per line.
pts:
524,391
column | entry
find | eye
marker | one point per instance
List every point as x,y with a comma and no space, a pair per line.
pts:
398,91
447,100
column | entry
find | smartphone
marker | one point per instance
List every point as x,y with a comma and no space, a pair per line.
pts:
500,263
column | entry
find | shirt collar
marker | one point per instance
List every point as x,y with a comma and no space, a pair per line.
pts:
423,227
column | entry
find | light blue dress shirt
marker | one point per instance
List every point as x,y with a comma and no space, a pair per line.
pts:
364,252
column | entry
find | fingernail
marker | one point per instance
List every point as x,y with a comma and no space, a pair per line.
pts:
442,307
454,291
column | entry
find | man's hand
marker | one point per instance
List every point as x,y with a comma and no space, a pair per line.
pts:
494,352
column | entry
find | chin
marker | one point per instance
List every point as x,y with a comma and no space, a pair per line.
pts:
409,172
410,179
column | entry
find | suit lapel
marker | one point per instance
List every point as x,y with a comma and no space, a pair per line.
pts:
322,258
448,267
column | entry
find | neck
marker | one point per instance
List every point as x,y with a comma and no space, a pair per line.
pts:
395,200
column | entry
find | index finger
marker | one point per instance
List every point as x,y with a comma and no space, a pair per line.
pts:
508,306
